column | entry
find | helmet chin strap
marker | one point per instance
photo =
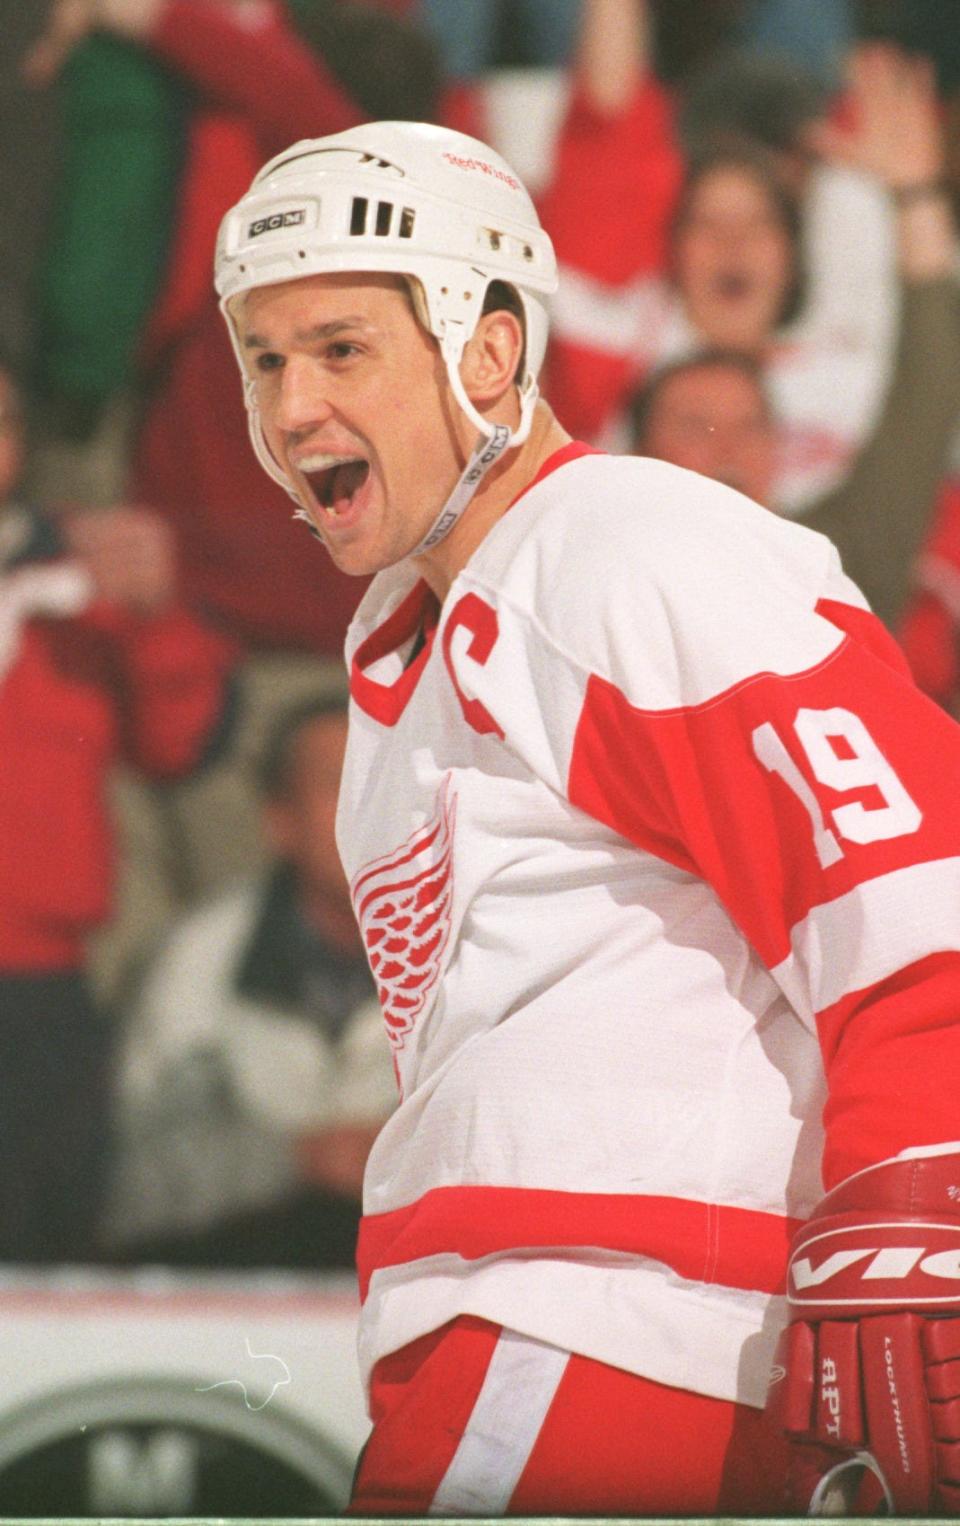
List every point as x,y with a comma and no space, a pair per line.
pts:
495,440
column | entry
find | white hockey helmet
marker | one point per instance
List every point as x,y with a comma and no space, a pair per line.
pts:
409,199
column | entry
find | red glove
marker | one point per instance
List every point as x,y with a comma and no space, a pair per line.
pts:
867,1373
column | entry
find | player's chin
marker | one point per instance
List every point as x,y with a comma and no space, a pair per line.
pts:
356,557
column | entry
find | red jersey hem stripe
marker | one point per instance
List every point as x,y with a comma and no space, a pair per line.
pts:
702,1242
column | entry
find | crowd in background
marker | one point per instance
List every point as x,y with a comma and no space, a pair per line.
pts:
753,204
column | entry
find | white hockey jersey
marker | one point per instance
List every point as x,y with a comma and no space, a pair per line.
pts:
653,845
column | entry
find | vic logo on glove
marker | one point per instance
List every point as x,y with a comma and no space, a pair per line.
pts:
845,1271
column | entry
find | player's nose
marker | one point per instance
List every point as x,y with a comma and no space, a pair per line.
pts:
302,401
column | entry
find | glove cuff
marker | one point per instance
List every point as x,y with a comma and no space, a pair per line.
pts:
920,1181
885,1239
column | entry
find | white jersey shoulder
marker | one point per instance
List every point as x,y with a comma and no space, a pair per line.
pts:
671,586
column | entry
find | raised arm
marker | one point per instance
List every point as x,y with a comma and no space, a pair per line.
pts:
613,53
617,173
879,514
241,55
894,134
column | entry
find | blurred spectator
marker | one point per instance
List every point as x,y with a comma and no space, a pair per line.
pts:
254,1073
251,77
711,413
110,220
219,87
848,222
98,660
735,261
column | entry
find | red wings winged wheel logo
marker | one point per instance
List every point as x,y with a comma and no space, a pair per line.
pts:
403,904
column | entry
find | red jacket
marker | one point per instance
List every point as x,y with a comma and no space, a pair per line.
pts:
930,629
608,209
77,694
258,89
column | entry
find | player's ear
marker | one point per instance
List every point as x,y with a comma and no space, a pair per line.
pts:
492,357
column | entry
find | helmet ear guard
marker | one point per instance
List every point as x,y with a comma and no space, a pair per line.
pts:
408,199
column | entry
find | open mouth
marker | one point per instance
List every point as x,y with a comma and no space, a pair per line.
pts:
334,480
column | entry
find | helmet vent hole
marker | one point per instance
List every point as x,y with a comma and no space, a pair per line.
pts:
358,215
301,254
494,239
384,215
527,252
407,219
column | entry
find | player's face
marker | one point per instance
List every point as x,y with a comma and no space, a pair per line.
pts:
355,405
714,420
733,259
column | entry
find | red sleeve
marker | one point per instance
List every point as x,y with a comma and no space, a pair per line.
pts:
614,186
930,628
823,808
263,70
930,636
608,211
173,676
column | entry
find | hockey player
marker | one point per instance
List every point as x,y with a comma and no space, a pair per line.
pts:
653,845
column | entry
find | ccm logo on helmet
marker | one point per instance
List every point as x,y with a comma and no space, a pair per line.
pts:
277,220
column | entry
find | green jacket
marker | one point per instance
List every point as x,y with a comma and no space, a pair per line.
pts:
112,218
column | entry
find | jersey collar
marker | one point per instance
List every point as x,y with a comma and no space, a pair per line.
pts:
420,609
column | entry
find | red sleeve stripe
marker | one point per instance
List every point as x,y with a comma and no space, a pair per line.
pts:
869,933
691,786
702,1242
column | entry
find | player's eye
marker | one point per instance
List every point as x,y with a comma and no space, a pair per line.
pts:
268,360
342,349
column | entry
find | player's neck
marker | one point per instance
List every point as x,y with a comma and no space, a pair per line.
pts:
493,498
